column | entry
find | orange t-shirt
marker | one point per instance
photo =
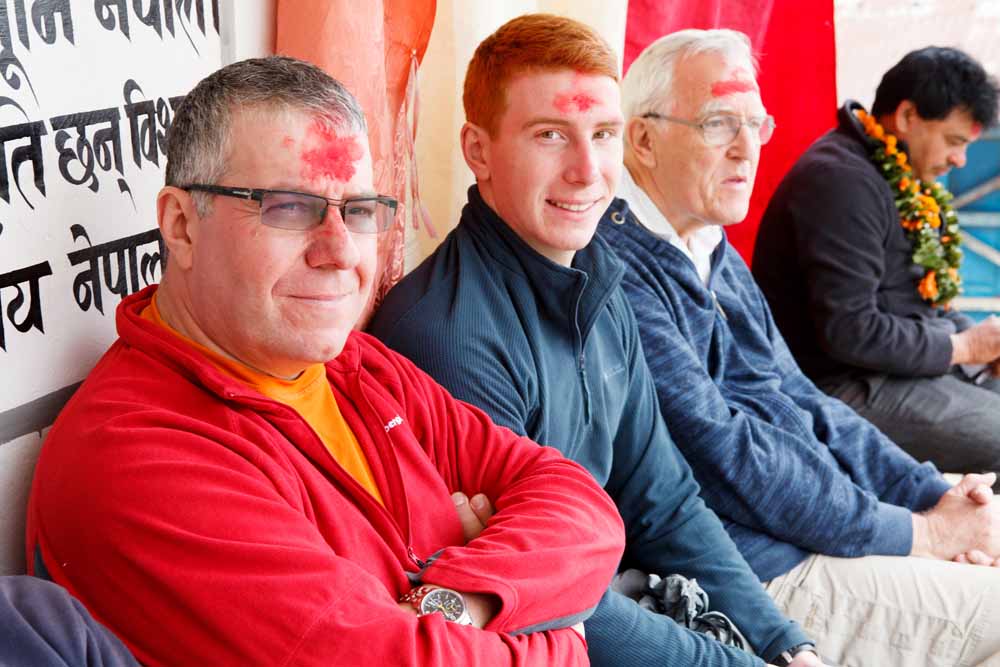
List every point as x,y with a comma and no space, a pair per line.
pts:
309,394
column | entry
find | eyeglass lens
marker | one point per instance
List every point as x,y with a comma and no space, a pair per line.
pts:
723,130
301,211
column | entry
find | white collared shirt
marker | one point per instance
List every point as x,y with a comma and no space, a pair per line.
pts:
702,242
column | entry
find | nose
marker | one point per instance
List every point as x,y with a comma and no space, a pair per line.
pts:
331,244
584,167
746,145
958,158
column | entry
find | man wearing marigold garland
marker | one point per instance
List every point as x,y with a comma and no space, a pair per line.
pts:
858,256
824,508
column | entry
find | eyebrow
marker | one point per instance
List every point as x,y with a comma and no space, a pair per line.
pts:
296,190
959,137
721,106
562,122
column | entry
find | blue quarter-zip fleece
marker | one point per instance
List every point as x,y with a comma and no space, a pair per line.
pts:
790,470
553,352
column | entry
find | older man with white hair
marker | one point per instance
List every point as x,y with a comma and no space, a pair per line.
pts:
824,507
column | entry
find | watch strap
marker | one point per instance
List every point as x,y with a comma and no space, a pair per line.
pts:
786,657
416,596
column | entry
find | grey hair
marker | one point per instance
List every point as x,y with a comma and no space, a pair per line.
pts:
199,138
647,85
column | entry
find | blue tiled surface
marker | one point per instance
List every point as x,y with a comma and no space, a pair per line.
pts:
980,276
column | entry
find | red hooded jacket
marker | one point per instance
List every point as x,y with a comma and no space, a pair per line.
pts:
208,525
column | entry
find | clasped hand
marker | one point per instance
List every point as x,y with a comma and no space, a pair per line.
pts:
964,526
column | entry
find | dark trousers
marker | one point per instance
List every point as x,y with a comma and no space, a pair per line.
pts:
42,626
948,420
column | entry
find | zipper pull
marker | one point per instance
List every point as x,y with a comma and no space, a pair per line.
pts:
718,306
413,556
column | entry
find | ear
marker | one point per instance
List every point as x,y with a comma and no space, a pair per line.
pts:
177,218
640,141
476,150
904,116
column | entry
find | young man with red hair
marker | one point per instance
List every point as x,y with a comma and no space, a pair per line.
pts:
520,312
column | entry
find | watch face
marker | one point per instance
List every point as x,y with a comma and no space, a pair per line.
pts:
446,601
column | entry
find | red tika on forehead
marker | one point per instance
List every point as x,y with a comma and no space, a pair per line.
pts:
567,102
732,86
333,156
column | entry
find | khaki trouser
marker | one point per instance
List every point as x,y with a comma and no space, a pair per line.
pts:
883,611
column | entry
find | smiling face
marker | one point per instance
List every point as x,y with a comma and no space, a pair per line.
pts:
936,146
279,299
554,165
692,183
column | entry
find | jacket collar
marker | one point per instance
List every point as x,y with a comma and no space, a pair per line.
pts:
681,266
170,350
848,123
576,293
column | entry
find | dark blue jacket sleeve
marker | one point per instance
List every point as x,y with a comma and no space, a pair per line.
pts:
41,624
756,472
622,633
873,461
670,530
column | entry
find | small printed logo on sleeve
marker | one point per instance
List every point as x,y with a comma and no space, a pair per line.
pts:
393,423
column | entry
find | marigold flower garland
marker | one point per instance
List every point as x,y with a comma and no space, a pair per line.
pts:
930,222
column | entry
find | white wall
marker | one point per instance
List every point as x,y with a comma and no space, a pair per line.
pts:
17,461
873,35
80,65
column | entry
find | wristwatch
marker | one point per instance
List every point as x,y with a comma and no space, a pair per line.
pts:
429,599
786,657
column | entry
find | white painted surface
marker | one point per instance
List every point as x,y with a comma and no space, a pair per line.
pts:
873,35
82,76
17,463
112,200
247,29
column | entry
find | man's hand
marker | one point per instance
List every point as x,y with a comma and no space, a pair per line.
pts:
984,496
805,659
979,344
473,514
966,520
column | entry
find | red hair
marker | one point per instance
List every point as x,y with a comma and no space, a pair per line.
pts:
533,42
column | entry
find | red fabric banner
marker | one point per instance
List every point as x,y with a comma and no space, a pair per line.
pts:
369,47
795,45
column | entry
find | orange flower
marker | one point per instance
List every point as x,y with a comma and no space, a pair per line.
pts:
904,183
901,159
928,286
953,272
890,142
878,132
946,239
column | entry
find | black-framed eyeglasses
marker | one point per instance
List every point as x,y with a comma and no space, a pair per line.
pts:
722,129
301,211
